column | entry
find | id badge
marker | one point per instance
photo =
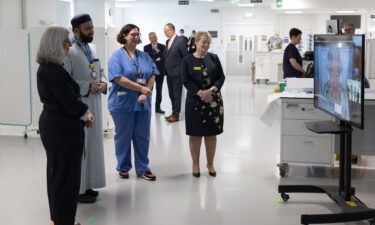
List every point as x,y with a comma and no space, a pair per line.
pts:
141,81
94,75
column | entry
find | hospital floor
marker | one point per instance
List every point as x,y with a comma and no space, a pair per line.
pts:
243,193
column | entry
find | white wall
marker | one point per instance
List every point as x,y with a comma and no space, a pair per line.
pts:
63,13
10,14
39,13
96,9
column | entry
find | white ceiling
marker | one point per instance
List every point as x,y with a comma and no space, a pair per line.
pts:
214,3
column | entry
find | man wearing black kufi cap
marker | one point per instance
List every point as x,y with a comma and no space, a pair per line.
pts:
84,66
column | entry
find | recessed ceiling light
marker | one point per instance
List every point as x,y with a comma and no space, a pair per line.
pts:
293,12
246,5
345,11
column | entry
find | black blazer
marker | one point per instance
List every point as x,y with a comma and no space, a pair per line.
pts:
155,55
174,55
192,78
58,92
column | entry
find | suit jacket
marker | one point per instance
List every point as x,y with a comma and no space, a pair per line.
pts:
192,78
155,55
58,92
174,55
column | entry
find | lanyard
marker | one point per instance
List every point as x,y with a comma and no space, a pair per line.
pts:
135,63
86,50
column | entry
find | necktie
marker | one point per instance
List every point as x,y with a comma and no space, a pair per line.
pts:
169,43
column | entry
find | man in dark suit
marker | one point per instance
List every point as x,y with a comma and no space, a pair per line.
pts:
182,34
175,52
157,51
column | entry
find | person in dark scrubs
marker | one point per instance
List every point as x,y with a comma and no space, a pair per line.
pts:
292,62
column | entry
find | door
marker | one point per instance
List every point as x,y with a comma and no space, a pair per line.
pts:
240,45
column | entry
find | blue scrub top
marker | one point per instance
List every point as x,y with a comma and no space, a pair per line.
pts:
119,65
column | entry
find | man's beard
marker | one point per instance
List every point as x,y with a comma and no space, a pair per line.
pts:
85,38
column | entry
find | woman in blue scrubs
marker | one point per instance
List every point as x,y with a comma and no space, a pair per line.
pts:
131,73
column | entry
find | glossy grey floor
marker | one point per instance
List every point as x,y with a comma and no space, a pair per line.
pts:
244,192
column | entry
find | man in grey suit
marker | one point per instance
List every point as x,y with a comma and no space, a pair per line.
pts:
176,50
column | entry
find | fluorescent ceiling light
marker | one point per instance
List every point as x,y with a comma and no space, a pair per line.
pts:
125,0
293,12
345,11
246,5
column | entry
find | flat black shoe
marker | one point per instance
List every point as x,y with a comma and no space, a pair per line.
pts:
92,193
212,174
196,174
160,111
86,199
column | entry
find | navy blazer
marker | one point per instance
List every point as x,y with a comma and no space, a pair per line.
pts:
174,55
154,55
192,77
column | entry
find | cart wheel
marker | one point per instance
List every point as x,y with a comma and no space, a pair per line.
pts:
25,136
282,171
285,197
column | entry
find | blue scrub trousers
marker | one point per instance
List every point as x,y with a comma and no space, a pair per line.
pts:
132,126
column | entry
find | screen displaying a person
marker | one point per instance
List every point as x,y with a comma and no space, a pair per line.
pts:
338,80
334,91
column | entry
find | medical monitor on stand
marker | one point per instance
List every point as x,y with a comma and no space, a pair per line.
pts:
339,76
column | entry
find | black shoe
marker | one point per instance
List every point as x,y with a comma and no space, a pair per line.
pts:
196,174
92,193
86,199
212,174
124,174
148,176
159,111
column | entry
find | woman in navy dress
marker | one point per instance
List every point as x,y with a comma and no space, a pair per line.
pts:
203,78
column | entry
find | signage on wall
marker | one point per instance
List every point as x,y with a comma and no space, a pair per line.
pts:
372,16
233,38
286,40
264,38
183,2
215,10
279,3
256,1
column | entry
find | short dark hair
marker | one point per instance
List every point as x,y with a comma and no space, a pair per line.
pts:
171,26
294,32
125,30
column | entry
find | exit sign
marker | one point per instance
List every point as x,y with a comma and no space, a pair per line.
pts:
183,2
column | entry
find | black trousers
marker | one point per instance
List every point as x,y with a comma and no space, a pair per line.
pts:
159,80
175,92
63,140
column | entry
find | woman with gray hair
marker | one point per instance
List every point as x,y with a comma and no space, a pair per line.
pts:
61,125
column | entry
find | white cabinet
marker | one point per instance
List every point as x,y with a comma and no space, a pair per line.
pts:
299,145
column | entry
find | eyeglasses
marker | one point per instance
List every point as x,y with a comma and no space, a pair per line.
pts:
134,35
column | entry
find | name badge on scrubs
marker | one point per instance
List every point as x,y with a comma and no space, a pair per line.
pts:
94,75
141,81
120,93
197,68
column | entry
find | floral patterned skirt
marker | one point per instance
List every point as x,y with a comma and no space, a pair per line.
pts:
204,118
